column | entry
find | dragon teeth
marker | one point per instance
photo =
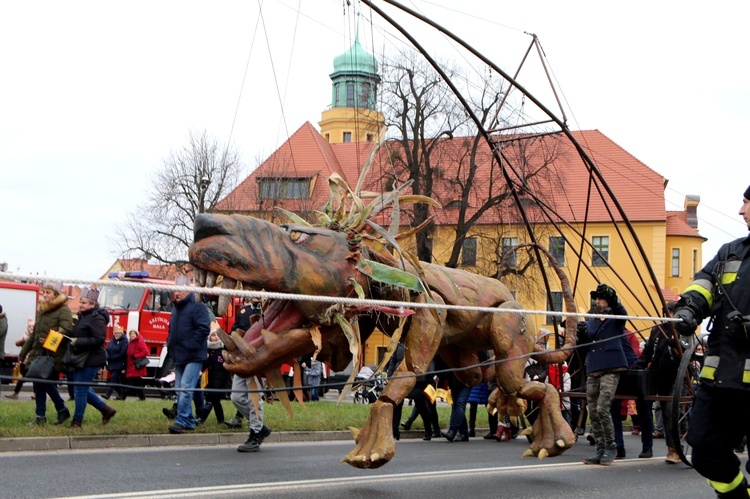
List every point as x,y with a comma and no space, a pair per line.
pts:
200,276
210,279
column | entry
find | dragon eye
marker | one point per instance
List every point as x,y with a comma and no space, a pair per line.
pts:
298,237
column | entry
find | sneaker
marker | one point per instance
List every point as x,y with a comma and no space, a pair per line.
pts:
461,438
13,396
234,423
596,458
636,431
591,439
39,420
609,455
658,434
252,444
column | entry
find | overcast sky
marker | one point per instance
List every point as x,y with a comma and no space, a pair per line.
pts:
94,95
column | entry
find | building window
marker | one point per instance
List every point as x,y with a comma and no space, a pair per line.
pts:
675,262
509,254
370,137
557,249
600,256
284,188
555,306
695,261
364,96
350,95
347,136
469,252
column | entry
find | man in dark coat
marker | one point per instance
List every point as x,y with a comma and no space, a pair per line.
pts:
605,363
187,346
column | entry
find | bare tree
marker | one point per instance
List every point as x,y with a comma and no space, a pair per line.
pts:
191,181
417,104
446,157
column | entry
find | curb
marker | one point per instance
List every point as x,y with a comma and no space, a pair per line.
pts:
30,444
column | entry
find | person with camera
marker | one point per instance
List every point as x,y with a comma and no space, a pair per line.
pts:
605,362
720,417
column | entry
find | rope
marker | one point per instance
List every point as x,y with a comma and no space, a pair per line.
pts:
400,305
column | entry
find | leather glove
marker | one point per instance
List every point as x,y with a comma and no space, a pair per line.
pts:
688,324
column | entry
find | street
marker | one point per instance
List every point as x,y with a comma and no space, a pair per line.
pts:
436,469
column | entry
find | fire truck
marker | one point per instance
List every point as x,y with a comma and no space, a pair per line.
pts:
19,302
148,311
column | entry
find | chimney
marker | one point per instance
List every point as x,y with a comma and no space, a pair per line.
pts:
691,209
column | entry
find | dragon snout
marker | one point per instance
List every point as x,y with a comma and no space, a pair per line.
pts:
207,225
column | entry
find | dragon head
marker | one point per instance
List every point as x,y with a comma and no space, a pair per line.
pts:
293,259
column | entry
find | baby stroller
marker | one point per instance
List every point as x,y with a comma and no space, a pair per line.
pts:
369,387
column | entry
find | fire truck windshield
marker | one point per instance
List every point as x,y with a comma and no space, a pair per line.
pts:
115,298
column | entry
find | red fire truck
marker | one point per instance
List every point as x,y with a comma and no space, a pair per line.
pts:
148,311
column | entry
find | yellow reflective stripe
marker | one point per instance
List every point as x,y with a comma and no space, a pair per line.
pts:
708,372
706,293
728,277
746,376
723,488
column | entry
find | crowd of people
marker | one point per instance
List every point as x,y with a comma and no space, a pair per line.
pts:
719,417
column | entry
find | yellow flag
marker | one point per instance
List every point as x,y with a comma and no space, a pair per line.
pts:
445,395
430,392
53,340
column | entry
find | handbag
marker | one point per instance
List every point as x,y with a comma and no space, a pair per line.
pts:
140,363
16,373
41,367
74,360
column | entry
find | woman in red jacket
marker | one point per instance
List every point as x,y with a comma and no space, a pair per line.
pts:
137,349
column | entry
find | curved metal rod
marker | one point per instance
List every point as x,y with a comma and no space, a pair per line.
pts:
593,169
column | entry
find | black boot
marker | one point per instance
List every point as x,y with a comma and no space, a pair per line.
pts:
62,415
236,422
252,444
170,413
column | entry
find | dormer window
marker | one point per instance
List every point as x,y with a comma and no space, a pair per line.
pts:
284,188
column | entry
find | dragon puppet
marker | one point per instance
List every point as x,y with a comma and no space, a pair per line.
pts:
349,255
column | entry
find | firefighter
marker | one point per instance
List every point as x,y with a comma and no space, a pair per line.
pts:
721,414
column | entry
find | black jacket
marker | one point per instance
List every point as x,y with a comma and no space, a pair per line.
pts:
117,353
606,353
90,332
717,291
658,357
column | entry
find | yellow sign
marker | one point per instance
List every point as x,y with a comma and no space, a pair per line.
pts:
53,340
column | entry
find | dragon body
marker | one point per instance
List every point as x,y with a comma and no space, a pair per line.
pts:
319,261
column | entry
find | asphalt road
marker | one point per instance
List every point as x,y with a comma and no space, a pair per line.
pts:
436,469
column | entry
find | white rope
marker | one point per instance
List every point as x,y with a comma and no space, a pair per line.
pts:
400,305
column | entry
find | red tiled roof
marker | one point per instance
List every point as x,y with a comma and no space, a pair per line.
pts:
677,225
563,184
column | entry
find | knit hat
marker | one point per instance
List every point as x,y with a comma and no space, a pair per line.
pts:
90,294
54,286
182,280
747,193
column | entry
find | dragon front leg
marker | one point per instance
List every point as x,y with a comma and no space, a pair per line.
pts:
375,445
551,435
